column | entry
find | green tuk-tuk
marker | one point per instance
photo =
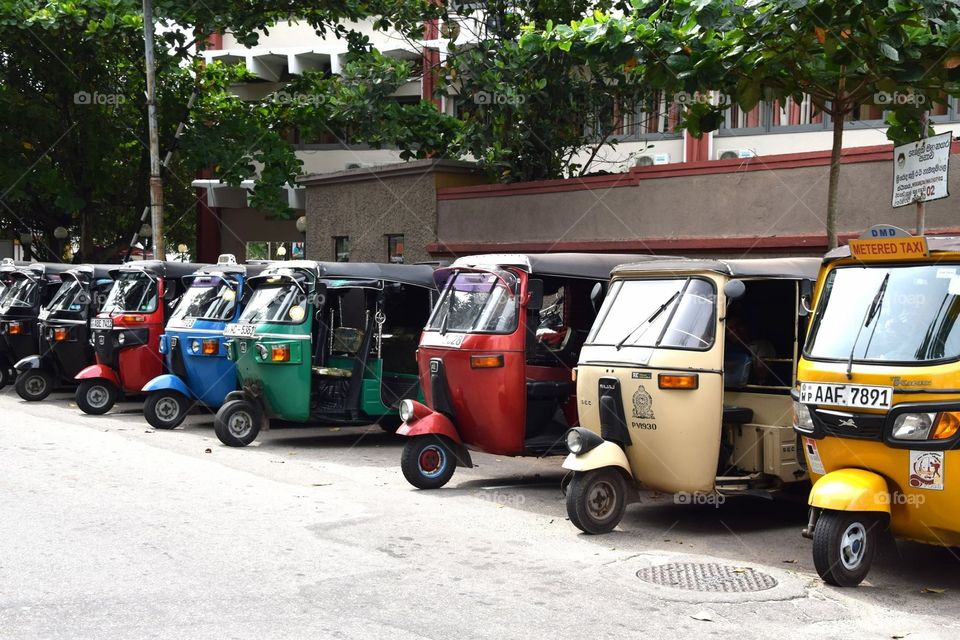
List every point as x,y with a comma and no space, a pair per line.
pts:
325,342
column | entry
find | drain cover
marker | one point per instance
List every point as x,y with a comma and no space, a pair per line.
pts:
709,577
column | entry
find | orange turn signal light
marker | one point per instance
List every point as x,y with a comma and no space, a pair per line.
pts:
947,425
14,328
280,353
675,381
59,334
211,347
133,318
486,362
573,374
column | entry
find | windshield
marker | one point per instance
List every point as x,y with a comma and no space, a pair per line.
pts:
209,298
132,291
901,314
678,313
277,303
21,292
477,302
69,297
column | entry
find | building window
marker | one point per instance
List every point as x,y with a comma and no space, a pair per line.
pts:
395,248
341,248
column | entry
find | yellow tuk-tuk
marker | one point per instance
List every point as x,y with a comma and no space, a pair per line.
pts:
878,401
684,384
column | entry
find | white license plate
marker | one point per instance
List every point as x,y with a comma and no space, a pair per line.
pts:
101,323
846,395
240,330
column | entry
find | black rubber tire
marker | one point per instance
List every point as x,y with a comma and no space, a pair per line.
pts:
828,540
422,449
4,375
390,424
165,409
234,415
97,386
606,484
33,385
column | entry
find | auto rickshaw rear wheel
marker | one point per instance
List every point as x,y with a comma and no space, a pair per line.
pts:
34,385
596,500
238,423
96,396
428,461
166,409
844,543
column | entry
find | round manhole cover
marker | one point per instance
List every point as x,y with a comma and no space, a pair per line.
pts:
710,577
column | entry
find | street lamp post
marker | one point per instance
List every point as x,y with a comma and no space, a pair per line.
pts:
26,241
60,233
146,232
282,252
182,250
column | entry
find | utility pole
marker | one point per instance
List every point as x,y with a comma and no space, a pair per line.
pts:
921,205
156,182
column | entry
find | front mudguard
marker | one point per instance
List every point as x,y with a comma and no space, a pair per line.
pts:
606,454
169,382
30,362
851,490
95,371
436,423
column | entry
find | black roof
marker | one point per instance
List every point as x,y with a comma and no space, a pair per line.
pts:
414,274
248,269
592,266
934,243
161,268
97,271
45,268
799,268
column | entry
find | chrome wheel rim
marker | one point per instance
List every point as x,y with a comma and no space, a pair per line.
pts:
853,546
601,499
97,396
240,423
167,409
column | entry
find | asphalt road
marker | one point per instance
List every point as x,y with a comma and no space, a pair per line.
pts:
109,529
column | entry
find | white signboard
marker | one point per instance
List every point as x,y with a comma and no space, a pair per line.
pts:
920,170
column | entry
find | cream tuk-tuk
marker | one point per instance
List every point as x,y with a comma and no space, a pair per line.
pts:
878,401
684,384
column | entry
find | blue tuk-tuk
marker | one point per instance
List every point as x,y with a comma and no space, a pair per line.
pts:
199,372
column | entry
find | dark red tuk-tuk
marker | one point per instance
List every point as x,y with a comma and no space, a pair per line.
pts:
126,332
495,359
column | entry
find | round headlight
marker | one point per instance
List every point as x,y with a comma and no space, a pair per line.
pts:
406,410
195,346
574,442
120,338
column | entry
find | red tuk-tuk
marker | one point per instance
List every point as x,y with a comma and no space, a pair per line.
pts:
126,332
495,359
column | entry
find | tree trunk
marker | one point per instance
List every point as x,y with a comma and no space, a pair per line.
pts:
833,189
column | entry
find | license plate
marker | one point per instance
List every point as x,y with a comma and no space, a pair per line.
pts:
101,323
846,395
240,330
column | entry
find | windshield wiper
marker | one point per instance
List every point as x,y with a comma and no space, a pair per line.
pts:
872,311
653,316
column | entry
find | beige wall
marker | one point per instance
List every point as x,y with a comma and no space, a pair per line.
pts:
750,203
238,226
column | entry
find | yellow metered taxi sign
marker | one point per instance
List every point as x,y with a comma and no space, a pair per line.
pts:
885,242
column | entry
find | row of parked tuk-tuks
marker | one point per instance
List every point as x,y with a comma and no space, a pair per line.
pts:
691,376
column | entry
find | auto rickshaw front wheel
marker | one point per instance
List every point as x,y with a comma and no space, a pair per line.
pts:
844,543
428,461
238,423
96,396
34,385
165,409
596,500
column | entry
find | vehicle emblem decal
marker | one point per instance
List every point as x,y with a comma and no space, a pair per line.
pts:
926,470
642,405
849,422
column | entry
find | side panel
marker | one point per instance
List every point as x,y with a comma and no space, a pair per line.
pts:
285,386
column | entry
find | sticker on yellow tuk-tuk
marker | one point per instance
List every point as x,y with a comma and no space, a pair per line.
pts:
926,470
813,456
886,249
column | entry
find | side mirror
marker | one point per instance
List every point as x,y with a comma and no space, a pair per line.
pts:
806,298
596,296
734,289
535,295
